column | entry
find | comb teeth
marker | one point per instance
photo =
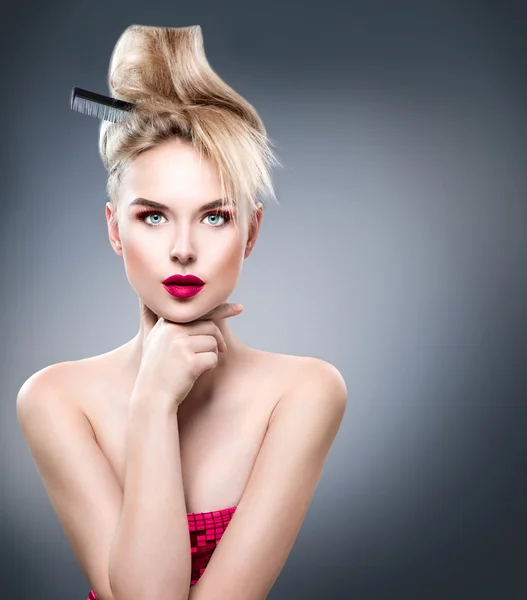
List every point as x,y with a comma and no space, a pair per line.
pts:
99,106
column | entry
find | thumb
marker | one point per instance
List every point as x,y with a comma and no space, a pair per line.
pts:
223,311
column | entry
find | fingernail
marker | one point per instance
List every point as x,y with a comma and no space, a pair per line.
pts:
238,307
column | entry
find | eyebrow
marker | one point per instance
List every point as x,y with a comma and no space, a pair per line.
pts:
154,204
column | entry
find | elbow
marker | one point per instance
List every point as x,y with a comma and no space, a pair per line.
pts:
133,591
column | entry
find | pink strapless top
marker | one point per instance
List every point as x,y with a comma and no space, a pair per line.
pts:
206,530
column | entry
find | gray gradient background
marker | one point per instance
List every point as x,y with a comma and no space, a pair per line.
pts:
402,130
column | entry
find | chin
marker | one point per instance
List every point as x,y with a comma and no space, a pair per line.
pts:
185,312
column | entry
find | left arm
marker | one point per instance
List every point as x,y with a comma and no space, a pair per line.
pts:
262,531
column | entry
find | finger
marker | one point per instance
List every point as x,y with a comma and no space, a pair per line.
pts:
207,327
203,343
223,311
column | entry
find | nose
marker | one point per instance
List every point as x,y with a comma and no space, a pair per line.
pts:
183,249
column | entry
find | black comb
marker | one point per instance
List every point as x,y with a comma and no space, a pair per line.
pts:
97,105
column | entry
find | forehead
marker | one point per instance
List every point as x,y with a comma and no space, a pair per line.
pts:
171,170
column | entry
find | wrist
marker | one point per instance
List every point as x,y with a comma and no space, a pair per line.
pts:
150,399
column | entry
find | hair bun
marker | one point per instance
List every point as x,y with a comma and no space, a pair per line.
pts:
157,67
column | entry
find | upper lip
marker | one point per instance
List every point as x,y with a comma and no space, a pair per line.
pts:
183,280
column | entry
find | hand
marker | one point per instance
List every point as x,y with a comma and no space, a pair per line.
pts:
176,354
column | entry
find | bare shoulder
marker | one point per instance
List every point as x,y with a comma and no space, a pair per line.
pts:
52,390
311,379
302,369
299,366
52,378
317,369
321,379
59,380
69,380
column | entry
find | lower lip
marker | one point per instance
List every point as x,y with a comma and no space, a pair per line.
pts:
183,291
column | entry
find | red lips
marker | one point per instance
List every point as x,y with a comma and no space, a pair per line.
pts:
183,280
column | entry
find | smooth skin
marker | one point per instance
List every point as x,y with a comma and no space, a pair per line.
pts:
134,542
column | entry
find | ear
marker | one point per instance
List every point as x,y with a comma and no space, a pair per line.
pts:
254,229
113,229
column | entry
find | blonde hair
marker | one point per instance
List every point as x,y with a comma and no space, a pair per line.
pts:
165,73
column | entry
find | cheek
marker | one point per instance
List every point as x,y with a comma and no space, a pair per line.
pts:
223,266
136,254
233,256
233,265
138,257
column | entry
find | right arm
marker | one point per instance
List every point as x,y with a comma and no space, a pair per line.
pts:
129,545
150,555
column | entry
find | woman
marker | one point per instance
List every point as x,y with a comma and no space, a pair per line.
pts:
184,416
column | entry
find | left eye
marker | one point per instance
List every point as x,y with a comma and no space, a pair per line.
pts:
216,215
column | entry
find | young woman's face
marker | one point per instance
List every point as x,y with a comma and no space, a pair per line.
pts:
183,238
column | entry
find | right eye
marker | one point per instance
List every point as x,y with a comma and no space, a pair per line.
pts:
142,217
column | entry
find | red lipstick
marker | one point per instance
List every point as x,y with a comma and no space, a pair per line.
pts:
183,286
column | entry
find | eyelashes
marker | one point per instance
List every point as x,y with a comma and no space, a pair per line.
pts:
225,214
